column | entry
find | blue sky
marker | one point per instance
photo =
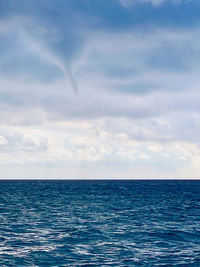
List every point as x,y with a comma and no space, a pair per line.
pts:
99,89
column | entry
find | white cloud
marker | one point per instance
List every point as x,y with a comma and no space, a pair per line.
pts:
130,3
73,148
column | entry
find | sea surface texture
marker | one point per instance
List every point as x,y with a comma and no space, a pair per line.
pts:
100,223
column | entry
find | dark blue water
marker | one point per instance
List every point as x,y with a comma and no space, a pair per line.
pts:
100,223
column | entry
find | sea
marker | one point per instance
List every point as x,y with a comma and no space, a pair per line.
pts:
99,223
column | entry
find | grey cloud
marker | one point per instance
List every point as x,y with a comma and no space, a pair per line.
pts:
175,127
33,54
145,93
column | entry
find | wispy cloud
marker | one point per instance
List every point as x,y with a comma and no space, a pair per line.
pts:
130,3
33,40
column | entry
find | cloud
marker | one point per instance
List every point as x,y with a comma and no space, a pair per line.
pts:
146,75
137,107
130,3
74,148
31,41
13,140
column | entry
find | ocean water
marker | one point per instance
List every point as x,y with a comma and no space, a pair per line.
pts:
100,223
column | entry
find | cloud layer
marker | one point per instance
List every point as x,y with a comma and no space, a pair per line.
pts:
87,100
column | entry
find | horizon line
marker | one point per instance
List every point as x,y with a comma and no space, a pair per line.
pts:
94,179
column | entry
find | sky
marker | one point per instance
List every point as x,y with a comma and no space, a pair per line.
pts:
99,89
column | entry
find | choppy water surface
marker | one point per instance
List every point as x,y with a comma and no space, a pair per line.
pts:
100,223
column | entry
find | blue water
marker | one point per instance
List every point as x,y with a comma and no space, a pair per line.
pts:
100,223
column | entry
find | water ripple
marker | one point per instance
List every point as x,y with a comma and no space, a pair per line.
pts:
99,223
